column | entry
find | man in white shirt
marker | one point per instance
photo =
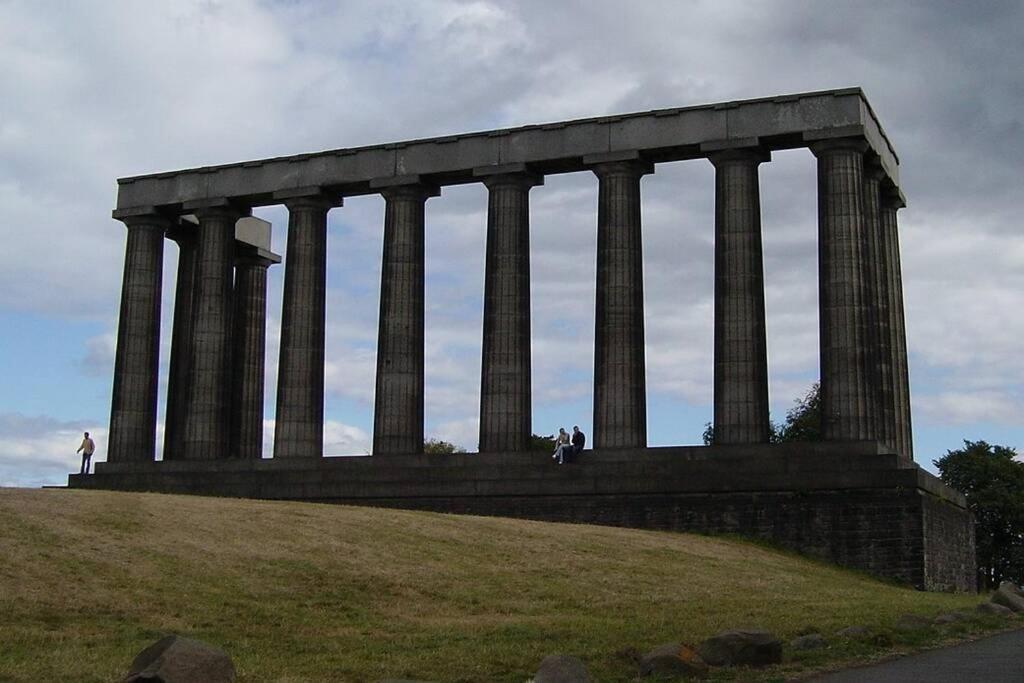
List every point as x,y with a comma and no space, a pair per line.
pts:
87,448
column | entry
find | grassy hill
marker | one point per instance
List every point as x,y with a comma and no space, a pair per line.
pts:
304,592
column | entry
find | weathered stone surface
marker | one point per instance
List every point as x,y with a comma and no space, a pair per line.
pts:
912,622
853,632
1009,596
562,669
811,641
993,608
741,647
949,618
181,660
741,360
673,658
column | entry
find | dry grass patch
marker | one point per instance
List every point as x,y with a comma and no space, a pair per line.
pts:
303,592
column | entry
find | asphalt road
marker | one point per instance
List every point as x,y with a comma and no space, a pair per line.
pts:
996,659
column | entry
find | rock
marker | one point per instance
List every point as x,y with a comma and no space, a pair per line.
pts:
1012,587
673,658
741,647
993,608
1009,596
949,618
911,622
812,641
854,632
562,669
181,660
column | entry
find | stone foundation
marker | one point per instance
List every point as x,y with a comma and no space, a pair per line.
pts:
852,503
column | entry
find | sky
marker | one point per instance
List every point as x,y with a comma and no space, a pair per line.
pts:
97,90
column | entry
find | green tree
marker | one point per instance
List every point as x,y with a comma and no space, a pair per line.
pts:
542,443
439,447
992,480
803,421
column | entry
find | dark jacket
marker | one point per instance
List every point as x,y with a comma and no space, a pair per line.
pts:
579,439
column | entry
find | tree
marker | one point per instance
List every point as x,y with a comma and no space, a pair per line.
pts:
542,443
439,447
803,421
992,480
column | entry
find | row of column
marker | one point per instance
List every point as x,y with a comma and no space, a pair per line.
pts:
215,388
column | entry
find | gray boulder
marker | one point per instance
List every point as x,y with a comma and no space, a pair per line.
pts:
912,622
811,641
673,658
854,632
562,669
181,660
948,618
741,647
993,608
1008,595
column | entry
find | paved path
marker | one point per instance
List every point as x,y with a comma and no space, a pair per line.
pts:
996,659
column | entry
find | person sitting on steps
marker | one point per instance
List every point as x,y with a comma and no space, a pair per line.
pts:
570,451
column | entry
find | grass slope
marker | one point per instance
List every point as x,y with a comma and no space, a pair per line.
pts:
303,592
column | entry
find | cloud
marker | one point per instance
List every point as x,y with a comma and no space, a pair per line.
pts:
40,450
212,82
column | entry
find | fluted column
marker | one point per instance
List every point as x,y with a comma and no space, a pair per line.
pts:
876,266
843,292
181,340
299,426
891,202
207,422
741,357
134,399
620,393
398,403
249,338
505,386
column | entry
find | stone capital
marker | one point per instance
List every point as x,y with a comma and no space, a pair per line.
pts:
873,170
314,197
143,216
629,162
405,187
508,174
844,144
719,156
892,197
220,207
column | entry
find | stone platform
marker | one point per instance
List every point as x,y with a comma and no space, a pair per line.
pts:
851,503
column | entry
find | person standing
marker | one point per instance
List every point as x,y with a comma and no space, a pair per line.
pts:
87,448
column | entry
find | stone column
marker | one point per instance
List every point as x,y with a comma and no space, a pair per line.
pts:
136,361
181,340
620,394
398,403
505,386
741,357
876,267
299,425
891,202
249,337
208,418
843,292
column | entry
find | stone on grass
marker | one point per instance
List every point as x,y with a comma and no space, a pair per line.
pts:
912,622
562,669
673,658
993,608
811,641
181,660
854,632
741,647
948,618
1008,595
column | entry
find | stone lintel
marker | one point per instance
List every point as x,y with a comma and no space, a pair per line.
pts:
663,135
608,157
138,212
508,169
